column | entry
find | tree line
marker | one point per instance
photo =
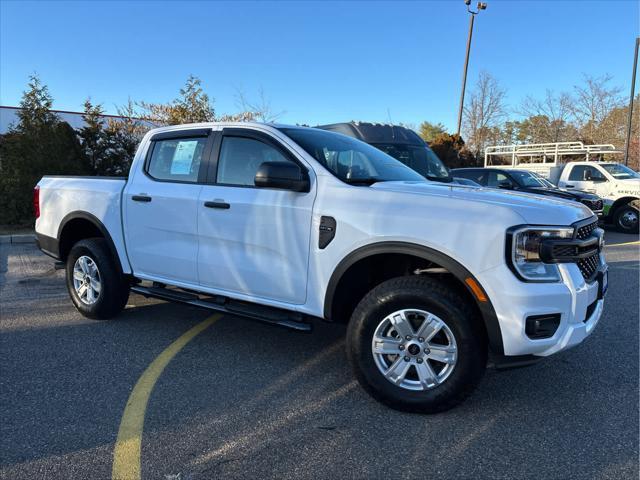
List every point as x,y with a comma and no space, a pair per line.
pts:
594,112
40,143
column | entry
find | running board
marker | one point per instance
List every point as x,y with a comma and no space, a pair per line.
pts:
274,316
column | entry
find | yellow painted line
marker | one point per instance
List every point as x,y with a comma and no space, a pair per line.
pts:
637,242
126,454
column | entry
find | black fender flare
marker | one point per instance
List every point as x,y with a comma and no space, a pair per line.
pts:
96,223
487,311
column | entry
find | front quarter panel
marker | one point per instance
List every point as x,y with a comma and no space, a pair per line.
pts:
456,228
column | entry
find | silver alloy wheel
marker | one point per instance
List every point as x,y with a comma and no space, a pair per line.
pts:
414,349
86,280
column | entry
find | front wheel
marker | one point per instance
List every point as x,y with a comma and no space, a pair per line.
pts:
95,284
416,345
626,218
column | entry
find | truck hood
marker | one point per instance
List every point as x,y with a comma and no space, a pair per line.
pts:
534,209
561,193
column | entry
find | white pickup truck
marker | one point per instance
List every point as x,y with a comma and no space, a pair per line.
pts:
617,184
287,224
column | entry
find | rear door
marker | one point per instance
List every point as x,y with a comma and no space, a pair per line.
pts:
160,206
253,241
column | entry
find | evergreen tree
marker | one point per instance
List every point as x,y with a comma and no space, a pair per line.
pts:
123,137
428,131
39,144
35,108
93,138
192,106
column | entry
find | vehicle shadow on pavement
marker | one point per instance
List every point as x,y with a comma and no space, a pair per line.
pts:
245,400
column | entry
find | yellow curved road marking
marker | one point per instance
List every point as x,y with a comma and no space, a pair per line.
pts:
126,454
637,242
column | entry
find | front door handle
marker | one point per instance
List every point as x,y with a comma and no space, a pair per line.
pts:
141,198
568,185
216,204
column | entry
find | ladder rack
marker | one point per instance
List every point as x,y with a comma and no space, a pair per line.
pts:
549,154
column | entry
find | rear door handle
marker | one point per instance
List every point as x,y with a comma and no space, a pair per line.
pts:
568,185
222,205
141,198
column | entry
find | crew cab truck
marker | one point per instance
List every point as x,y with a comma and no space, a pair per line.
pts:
616,184
287,224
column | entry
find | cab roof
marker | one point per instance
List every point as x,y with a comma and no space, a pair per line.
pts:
376,132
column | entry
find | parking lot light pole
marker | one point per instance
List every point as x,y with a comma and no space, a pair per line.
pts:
481,6
631,95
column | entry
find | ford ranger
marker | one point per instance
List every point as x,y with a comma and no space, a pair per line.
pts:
288,224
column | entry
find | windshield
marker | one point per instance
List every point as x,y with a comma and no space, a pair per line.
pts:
418,158
620,172
544,181
527,179
350,160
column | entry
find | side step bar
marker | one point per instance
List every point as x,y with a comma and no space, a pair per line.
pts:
274,316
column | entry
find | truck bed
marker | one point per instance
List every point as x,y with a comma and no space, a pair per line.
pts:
67,196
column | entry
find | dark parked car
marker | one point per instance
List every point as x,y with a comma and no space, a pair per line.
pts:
525,181
401,143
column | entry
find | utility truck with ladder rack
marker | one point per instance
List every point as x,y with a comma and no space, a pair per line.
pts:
574,165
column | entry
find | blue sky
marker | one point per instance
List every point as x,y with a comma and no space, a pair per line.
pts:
317,61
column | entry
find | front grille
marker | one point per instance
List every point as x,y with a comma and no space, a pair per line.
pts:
585,231
588,266
595,205
564,251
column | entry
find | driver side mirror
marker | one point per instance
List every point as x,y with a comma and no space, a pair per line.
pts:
282,175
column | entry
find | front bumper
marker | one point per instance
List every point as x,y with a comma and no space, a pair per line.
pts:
579,303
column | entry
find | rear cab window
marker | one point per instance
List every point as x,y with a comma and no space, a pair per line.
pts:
176,159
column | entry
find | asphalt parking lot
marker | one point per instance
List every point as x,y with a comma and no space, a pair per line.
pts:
246,400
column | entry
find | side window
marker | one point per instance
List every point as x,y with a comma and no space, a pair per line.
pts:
494,179
241,157
577,173
477,176
176,159
594,174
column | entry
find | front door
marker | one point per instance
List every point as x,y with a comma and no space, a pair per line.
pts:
253,241
584,177
160,207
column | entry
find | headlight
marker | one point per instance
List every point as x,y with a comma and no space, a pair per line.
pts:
524,252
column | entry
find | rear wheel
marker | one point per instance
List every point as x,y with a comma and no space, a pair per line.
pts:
416,345
95,284
626,217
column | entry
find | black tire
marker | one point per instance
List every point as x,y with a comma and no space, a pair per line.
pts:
438,298
622,216
114,291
